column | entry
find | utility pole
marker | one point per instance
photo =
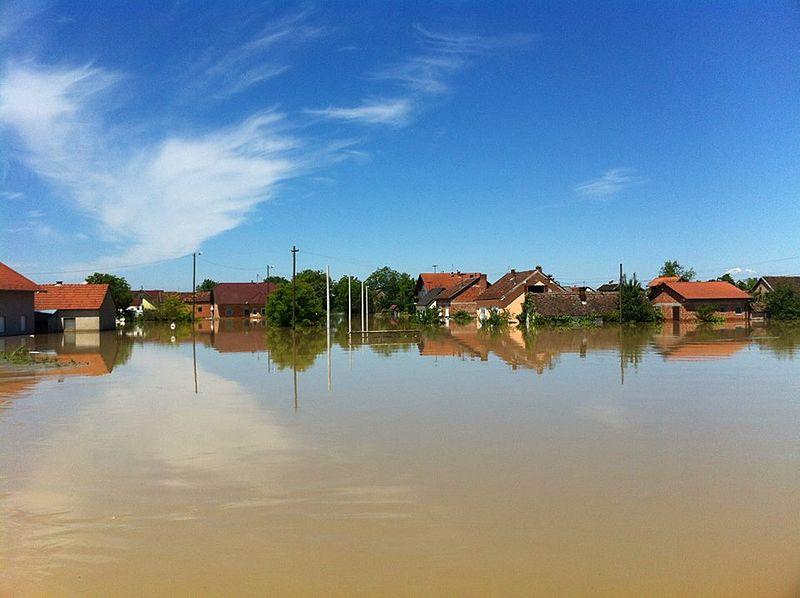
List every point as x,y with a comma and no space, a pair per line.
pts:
362,306
434,268
328,298
349,305
268,267
366,309
294,284
620,293
194,282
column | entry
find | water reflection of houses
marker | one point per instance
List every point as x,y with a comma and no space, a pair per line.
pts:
85,353
693,342
537,350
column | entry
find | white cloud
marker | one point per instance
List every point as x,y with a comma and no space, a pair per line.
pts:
157,200
10,195
610,183
388,112
741,272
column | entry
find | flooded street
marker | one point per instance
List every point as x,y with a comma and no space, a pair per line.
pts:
241,460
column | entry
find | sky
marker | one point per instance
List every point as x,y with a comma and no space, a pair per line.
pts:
472,136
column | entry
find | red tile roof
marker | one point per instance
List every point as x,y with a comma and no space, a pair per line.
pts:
715,289
11,280
456,289
243,293
71,296
512,284
431,280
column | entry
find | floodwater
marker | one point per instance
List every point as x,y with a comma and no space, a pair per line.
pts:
245,461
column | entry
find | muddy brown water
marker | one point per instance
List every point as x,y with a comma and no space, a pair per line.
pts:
457,463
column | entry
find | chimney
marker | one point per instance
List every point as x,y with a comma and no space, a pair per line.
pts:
538,268
59,283
513,271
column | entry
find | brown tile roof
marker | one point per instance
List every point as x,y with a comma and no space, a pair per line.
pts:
456,289
201,296
431,280
512,284
11,280
570,304
776,281
243,293
71,296
715,289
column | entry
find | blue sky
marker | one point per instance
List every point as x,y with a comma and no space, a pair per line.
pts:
475,136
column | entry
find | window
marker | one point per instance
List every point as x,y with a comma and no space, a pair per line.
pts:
23,323
199,309
738,310
2,324
263,311
246,311
537,288
228,311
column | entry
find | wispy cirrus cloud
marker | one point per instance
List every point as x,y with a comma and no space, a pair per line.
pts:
609,184
151,200
425,73
394,112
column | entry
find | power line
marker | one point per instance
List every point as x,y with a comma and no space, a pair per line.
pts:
114,268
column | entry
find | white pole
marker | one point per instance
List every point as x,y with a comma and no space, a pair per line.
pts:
362,306
328,296
349,304
366,309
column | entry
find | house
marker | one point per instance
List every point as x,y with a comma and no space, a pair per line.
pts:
240,299
608,287
679,300
461,296
431,284
508,293
201,301
767,284
16,302
144,300
74,307
575,304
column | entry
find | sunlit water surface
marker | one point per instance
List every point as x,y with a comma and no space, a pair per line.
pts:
574,463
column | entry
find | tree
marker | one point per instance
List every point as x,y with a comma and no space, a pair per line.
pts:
339,295
708,314
389,287
119,287
276,280
171,309
746,284
636,307
316,279
207,285
674,268
782,303
310,308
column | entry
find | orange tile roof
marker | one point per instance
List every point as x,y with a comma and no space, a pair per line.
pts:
715,289
71,296
11,280
662,279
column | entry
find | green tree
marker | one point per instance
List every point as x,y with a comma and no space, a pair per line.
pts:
171,309
119,287
674,268
707,314
389,287
310,308
636,307
207,285
746,284
782,303
276,280
339,295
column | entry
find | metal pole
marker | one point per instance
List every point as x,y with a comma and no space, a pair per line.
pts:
294,284
267,280
349,304
362,306
328,304
620,293
194,285
366,308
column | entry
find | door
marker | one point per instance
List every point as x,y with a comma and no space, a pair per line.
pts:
676,313
69,324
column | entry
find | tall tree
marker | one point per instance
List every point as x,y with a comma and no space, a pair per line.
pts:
389,287
310,308
276,280
207,285
339,295
674,268
119,287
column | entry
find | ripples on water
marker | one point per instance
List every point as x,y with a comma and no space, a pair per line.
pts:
571,462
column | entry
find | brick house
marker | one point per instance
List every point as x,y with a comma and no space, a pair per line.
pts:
461,296
241,299
16,302
680,300
430,285
75,307
508,293
202,303
767,284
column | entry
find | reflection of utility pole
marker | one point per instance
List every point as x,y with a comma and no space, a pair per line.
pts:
194,359
294,284
294,366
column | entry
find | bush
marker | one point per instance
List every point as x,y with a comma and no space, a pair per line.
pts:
636,307
462,317
496,320
528,313
171,309
708,314
310,310
783,303
429,317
